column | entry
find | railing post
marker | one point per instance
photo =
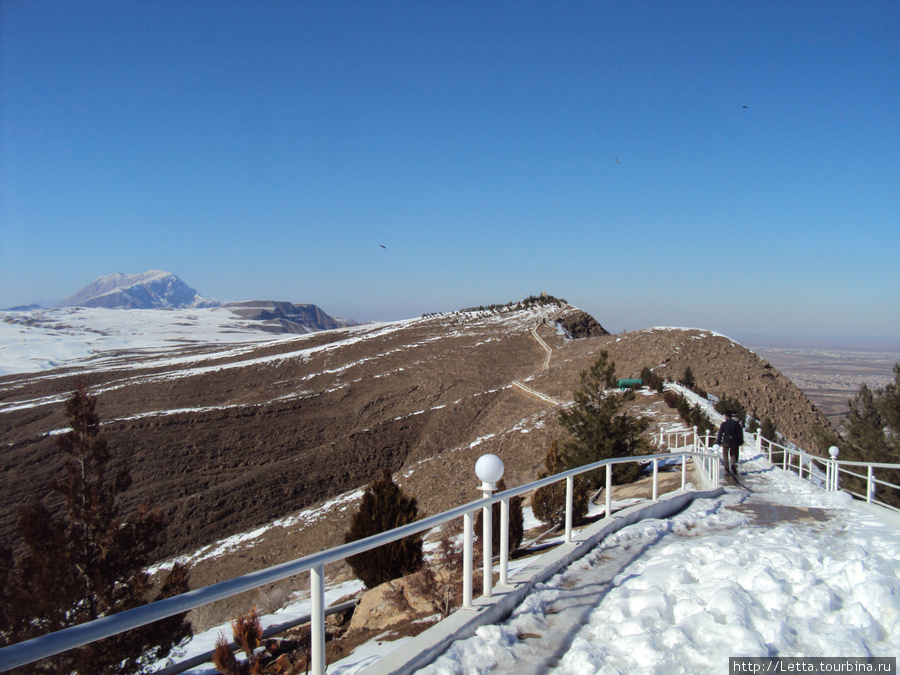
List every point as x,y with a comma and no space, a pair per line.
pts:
487,530
489,469
570,499
317,618
467,561
655,479
870,486
683,472
608,490
504,542
834,480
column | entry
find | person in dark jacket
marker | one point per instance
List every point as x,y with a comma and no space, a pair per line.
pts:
731,438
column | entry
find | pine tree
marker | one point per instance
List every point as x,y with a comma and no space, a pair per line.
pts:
873,433
89,563
549,502
600,428
768,430
384,507
866,426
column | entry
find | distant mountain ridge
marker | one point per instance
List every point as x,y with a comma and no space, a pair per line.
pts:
286,317
163,290
151,290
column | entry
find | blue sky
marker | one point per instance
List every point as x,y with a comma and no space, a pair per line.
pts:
598,151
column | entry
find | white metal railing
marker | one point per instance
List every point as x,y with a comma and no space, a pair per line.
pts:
700,446
826,473
820,471
44,646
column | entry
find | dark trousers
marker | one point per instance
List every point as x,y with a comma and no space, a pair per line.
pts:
730,455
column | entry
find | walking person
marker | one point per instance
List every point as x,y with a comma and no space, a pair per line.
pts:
731,438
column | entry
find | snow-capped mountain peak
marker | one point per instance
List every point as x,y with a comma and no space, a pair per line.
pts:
151,290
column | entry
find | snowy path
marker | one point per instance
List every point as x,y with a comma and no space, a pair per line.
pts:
546,364
535,392
785,570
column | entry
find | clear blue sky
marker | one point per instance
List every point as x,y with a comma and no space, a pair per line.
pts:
599,151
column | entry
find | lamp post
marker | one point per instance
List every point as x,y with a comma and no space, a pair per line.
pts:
489,469
833,482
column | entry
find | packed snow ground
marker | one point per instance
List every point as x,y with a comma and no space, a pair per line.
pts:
686,593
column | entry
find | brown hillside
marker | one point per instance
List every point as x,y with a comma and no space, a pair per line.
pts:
228,439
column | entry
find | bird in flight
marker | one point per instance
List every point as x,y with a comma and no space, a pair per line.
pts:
382,246
617,161
745,107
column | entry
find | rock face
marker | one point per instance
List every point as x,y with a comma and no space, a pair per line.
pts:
580,324
285,317
151,290
389,604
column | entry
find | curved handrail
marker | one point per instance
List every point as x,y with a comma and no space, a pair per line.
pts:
60,641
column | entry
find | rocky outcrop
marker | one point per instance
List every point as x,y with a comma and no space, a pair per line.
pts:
579,324
391,603
285,317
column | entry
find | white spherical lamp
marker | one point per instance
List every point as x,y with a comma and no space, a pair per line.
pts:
833,451
489,468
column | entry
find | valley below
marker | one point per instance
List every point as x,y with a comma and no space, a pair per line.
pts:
830,378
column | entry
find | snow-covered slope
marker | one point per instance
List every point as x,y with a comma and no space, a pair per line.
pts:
151,290
37,340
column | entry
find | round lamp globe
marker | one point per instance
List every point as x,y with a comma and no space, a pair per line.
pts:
489,468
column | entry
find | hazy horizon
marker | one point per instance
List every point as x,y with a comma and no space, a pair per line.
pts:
772,340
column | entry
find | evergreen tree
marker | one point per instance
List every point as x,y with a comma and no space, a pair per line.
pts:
753,427
600,428
549,502
727,404
889,403
688,378
651,379
384,507
873,434
867,428
89,563
768,431
697,418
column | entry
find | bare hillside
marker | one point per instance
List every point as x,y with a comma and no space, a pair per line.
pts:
229,438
